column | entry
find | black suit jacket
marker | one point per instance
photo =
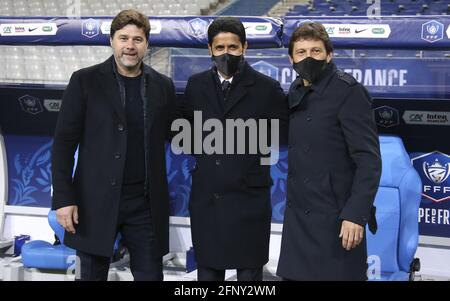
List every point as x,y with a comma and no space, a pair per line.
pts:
230,204
92,117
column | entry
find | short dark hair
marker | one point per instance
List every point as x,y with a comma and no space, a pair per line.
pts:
130,16
226,24
313,31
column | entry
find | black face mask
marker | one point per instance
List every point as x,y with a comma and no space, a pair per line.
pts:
227,63
310,69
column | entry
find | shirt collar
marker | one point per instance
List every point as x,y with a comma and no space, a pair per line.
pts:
221,78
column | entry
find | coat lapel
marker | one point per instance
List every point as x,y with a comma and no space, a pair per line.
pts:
154,97
297,93
111,89
239,88
211,99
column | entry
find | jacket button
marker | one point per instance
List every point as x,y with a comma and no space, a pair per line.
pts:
306,180
289,204
113,182
216,196
117,156
306,149
308,118
307,211
120,127
218,162
292,116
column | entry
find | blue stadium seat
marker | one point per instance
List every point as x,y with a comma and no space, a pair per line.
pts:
300,9
358,13
359,8
410,2
397,201
44,255
315,13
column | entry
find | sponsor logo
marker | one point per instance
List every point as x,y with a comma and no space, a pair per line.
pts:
434,216
426,118
360,30
197,27
432,31
30,104
19,29
378,31
28,29
105,28
7,29
330,30
386,116
344,30
415,117
266,68
52,105
257,28
90,28
434,170
155,27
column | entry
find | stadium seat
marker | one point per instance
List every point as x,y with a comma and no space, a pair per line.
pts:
359,8
397,205
44,255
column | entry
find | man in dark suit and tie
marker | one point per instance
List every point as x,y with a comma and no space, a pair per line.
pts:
230,204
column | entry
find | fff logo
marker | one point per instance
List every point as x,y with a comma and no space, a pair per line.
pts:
434,170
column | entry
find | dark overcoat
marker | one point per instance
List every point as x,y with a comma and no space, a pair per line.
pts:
92,117
230,206
334,171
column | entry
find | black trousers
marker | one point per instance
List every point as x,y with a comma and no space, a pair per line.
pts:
134,224
209,274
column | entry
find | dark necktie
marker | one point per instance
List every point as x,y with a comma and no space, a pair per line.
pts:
225,88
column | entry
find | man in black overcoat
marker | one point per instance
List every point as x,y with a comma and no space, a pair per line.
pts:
118,114
334,166
230,206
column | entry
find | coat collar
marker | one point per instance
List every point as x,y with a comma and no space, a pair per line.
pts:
326,76
110,84
111,88
298,92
